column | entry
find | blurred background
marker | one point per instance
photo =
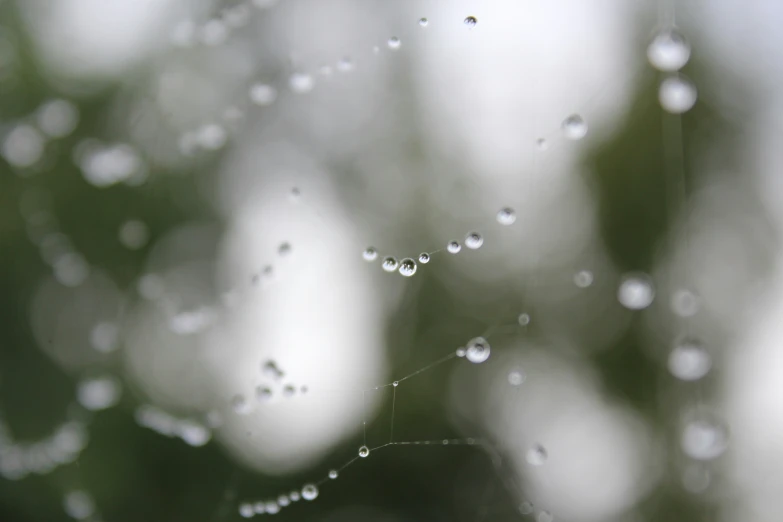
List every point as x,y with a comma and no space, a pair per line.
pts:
204,210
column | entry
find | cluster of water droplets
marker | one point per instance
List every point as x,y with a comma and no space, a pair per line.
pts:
18,459
69,266
24,144
669,52
192,432
269,385
308,492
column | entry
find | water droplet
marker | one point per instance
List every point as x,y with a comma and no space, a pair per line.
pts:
99,393
259,508
79,505
376,49
390,263
705,438
269,369
516,377
453,247
395,383
262,94
470,21
685,303
333,474
525,508
246,510
394,43
574,127
104,337
370,254
477,350
23,146
295,193
424,22
309,491
636,291
424,258
696,478
364,451
460,352
669,51
134,234
214,32
325,70
284,248
407,267
345,65
289,390
211,136
537,455
294,496
583,278
301,83
272,507
677,94
240,404
523,319
689,360
544,516
283,500
474,240
57,118
506,216
542,144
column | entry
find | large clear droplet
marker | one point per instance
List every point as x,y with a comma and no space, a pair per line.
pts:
506,216
474,240
333,474
689,360
470,21
477,350
407,267
523,319
677,94
424,22
390,263
574,127
364,451
705,438
453,247
370,254
537,455
309,492
424,258
669,51
636,291
394,43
